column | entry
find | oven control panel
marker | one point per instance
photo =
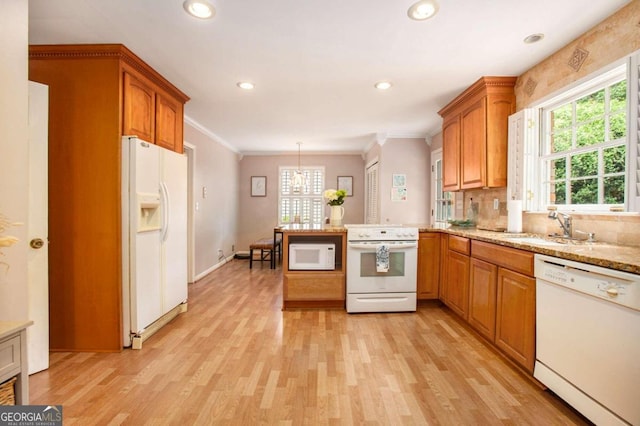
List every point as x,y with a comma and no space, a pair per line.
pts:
381,233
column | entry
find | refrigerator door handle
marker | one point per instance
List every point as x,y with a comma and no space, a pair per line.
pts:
165,210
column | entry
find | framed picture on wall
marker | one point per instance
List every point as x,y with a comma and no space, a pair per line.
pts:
399,180
346,183
258,186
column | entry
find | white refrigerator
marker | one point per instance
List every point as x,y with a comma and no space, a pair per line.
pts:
154,234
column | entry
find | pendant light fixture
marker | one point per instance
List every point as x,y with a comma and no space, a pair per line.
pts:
298,180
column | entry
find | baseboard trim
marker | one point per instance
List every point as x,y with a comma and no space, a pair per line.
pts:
206,272
138,339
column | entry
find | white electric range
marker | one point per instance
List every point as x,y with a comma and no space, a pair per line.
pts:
382,267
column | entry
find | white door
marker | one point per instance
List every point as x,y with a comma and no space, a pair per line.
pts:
371,193
38,257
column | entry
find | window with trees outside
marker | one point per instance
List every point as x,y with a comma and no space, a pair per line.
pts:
303,204
584,146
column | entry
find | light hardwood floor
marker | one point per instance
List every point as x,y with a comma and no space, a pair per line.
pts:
236,358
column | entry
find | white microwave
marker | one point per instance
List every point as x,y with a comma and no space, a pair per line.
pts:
310,256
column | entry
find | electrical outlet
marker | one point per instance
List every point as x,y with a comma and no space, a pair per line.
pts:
496,204
204,192
220,254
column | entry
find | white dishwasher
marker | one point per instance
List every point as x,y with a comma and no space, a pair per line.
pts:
588,338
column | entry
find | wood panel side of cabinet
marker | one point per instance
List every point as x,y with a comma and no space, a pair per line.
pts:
314,286
515,317
85,266
473,152
428,265
458,283
139,107
451,153
482,297
169,122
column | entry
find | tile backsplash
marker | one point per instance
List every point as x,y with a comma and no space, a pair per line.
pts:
615,228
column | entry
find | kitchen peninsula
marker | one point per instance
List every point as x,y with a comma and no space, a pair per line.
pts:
326,288
313,288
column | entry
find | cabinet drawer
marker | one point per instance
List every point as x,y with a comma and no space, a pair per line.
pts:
459,244
509,258
9,358
314,286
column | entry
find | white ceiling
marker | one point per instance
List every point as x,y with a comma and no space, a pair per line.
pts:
314,62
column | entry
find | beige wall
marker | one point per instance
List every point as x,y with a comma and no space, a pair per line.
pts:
258,215
411,157
216,219
14,154
612,39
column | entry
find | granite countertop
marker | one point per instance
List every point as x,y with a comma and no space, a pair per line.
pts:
305,227
622,258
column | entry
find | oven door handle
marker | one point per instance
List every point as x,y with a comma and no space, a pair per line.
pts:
391,246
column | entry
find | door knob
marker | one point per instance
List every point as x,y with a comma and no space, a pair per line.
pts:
36,243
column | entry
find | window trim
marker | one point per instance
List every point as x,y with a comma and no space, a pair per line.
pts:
570,93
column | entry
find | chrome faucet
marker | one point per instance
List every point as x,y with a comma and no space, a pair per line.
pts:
565,222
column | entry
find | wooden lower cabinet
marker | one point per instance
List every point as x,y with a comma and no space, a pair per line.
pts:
480,283
428,265
457,293
515,317
482,297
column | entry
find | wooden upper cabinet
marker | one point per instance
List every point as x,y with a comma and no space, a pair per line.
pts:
473,154
151,113
139,108
169,119
478,120
451,154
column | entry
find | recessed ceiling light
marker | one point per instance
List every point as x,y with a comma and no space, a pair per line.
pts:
199,8
245,85
533,38
383,85
424,9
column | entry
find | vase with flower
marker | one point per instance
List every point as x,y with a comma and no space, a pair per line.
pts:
335,199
